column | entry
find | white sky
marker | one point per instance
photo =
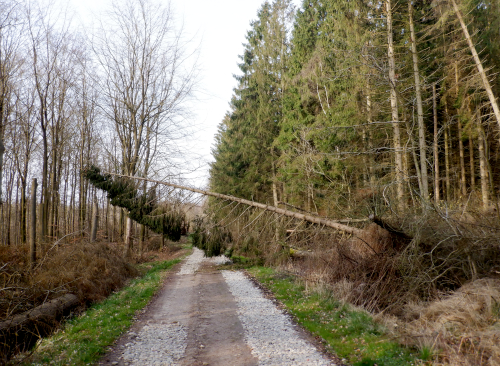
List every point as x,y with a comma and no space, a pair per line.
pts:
219,28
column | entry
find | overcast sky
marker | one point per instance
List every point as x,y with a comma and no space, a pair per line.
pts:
219,28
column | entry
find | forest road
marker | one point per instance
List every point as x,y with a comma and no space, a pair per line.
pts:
203,316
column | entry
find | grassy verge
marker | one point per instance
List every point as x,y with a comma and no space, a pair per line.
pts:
351,334
83,340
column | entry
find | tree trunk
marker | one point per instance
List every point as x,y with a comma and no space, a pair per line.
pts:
306,217
472,168
447,163
128,237
33,224
483,168
23,212
2,151
420,110
398,151
435,145
463,183
371,168
95,220
479,65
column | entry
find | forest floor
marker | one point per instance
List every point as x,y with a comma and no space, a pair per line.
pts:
203,316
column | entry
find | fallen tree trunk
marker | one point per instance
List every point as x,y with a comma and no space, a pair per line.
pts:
22,331
306,217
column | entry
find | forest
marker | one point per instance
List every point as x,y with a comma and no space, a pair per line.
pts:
380,116
351,99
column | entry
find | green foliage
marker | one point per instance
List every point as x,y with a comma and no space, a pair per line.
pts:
85,339
143,208
213,241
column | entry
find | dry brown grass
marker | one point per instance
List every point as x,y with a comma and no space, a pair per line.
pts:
90,271
463,327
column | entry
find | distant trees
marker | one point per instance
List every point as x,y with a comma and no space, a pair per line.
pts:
66,99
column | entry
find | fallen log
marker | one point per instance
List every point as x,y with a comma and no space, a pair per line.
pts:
372,240
21,332
306,217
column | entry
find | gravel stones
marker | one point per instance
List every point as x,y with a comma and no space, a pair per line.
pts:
265,330
192,262
269,333
157,344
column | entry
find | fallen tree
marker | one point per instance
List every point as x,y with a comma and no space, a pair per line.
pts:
374,244
22,331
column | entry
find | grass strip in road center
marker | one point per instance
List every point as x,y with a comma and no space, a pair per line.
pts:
350,334
84,339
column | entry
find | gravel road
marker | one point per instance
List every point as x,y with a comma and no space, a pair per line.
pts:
207,317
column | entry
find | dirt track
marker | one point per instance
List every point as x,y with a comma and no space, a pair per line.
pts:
203,315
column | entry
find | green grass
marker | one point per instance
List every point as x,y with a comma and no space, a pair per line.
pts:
350,334
83,340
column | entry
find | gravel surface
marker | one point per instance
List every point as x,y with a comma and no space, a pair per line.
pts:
269,333
192,262
158,344
205,318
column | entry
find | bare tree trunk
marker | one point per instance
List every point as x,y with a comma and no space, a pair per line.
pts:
472,168
23,213
128,237
95,220
463,182
447,163
371,167
479,65
33,224
398,150
2,151
113,227
483,165
435,145
420,110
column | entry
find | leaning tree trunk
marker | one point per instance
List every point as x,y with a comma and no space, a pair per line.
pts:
479,65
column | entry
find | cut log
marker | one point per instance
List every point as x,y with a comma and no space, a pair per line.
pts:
22,331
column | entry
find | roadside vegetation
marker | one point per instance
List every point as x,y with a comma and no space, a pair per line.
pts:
348,332
84,339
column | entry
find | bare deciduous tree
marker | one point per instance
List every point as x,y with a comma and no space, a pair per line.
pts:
146,78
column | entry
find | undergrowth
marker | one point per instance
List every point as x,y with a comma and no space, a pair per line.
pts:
349,333
83,340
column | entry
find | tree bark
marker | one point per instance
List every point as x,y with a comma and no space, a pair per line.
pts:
2,151
398,150
471,163
95,220
435,145
483,169
33,224
420,109
447,162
